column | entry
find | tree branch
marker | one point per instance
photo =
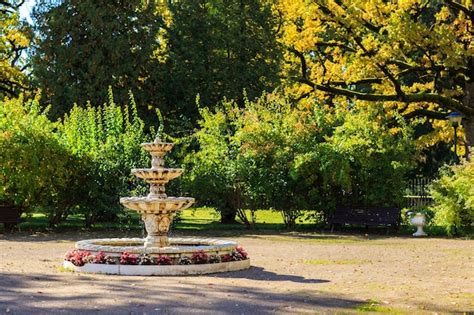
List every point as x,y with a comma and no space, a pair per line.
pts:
458,6
304,67
409,98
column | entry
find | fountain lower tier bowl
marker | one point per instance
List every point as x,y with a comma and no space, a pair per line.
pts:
158,176
178,248
154,205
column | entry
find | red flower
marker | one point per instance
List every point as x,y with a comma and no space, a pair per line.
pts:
163,260
242,251
128,259
77,257
99,258
200,257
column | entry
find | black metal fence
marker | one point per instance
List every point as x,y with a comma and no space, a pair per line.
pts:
417,192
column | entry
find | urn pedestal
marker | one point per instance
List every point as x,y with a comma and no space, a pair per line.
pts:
419,220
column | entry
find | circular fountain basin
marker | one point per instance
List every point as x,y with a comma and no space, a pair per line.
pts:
157,176
178,247
172,270
156,205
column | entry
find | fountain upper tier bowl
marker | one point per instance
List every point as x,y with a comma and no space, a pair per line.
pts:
153,205
157,147
157,176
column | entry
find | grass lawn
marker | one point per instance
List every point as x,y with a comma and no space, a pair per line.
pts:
194,219
207,219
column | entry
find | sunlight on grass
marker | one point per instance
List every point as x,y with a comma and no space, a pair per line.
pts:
316,238
375,307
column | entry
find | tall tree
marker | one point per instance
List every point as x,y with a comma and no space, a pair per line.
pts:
85,46
415,56
15,37
218,49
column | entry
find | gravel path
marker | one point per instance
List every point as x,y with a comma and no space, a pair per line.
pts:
291,273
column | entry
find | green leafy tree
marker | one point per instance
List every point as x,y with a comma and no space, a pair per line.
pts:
15,37
212,171
414,56
86,46
218,49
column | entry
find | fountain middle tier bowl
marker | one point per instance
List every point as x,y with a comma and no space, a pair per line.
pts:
156,205
157,176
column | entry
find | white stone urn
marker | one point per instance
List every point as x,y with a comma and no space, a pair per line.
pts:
419,220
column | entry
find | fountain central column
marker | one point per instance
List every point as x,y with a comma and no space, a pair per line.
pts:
157,209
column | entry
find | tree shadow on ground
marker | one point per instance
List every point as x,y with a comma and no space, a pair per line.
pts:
260,274
70,293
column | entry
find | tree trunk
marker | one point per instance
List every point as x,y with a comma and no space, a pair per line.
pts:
468,125
228,216
468,121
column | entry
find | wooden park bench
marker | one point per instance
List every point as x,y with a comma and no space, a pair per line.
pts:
365,216
9,216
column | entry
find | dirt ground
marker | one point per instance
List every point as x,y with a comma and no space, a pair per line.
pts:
290,274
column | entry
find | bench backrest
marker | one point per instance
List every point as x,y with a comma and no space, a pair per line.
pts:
366,215
9,214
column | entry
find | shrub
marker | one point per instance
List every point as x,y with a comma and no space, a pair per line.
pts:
275,154
112,260
145,259
36,169
453,195
100,258
107,140
215,259
242,252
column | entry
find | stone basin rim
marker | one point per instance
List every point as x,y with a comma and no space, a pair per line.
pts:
178,245
151,200
158,170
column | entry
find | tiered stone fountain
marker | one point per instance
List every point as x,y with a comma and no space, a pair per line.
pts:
157,211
